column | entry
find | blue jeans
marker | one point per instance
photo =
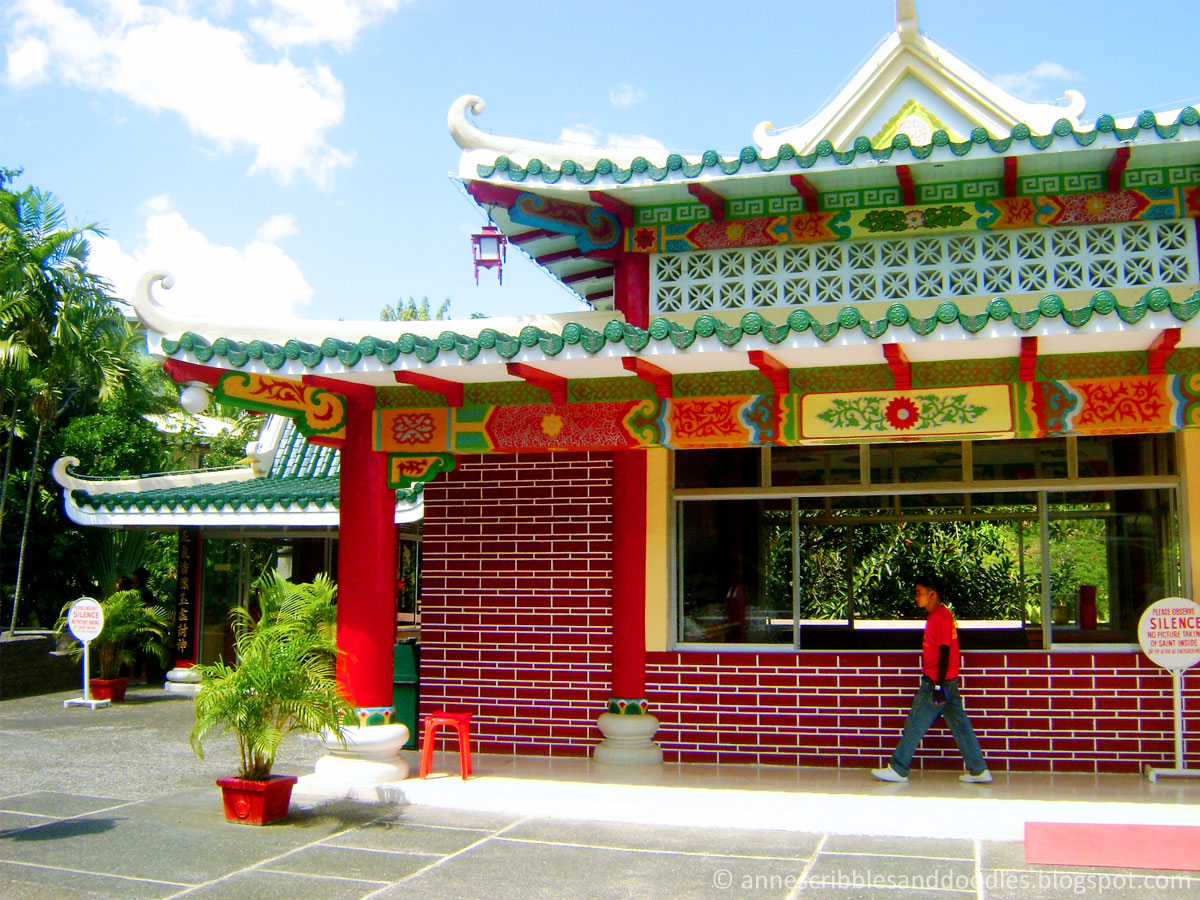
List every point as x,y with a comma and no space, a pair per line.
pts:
924,713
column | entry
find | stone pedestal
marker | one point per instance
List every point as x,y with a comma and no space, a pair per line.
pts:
183,681
627,740
371,755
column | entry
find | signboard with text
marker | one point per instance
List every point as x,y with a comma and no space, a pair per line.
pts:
1169,632
85,619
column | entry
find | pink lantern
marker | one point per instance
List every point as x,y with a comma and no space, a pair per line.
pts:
488,248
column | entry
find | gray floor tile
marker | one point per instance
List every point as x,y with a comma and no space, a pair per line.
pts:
714,841
344,862
408,838
37,883
136,849
59,805
1062,885
512,870
455,818
261,885
14,822
904,872
893,846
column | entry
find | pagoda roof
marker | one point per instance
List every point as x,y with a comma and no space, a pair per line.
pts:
912,107
594,344
287,482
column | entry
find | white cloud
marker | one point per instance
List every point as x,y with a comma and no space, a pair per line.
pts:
258,282
276,228
1032,82
635,141
625,95
292,23
159,203
590,136
165,60
586,135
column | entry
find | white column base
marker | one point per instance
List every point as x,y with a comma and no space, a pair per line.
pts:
371,755
183,681
627,741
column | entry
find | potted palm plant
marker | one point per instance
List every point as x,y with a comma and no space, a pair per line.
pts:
129,627
283,681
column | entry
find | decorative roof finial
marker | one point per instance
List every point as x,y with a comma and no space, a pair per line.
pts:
906,19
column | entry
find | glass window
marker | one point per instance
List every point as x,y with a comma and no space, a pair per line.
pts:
735,572
1019,460
1111,554
1077,564
1112,457
917,462
811,466
717,468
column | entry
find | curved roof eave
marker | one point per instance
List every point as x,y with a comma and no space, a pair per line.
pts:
821,332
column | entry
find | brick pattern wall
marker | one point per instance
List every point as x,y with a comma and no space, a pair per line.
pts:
515,628
515,587
1032,711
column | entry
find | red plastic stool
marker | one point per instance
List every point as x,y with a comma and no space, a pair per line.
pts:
461,722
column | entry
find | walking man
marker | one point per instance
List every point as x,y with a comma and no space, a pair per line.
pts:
938,695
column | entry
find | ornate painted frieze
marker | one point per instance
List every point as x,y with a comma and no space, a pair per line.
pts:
1117,405
990,214
318,413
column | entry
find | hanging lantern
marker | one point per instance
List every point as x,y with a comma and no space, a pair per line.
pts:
488,247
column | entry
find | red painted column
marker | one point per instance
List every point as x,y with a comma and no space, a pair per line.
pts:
631,288
366,627
629,575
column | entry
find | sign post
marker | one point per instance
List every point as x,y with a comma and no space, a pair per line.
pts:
1169,632
85,620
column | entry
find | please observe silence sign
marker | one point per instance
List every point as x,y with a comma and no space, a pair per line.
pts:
1169,633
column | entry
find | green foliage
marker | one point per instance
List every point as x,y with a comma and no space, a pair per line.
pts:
66,349
414,312
284,680
876,565
117,441
129,626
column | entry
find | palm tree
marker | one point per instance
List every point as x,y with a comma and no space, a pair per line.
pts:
61,333
88,352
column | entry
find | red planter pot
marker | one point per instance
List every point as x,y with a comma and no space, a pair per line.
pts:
108,688
256,802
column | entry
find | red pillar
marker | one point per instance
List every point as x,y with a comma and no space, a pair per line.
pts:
631,288
366,627
629,575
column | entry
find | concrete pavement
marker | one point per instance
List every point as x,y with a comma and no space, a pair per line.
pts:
112,803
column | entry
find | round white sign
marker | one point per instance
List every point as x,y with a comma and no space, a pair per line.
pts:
1169,632
85,619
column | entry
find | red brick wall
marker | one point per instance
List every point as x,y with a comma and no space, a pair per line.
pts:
1033,711
515,626
515,599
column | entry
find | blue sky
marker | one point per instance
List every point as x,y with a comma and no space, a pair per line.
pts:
291,157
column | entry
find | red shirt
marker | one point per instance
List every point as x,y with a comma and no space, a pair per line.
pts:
940,629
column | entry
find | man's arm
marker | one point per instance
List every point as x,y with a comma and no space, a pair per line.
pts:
939,690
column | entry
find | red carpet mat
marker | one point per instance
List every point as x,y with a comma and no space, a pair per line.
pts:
1120,846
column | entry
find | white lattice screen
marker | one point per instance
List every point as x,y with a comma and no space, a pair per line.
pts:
1091,257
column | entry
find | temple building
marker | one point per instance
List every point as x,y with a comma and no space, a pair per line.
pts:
935,327
278,510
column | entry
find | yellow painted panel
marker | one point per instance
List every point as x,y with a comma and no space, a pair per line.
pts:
928,412
658,560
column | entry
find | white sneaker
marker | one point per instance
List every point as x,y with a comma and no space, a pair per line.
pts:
887,773
984,777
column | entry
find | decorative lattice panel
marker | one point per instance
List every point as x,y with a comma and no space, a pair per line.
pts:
1088,257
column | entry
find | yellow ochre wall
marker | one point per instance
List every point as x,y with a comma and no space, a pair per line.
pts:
658,560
